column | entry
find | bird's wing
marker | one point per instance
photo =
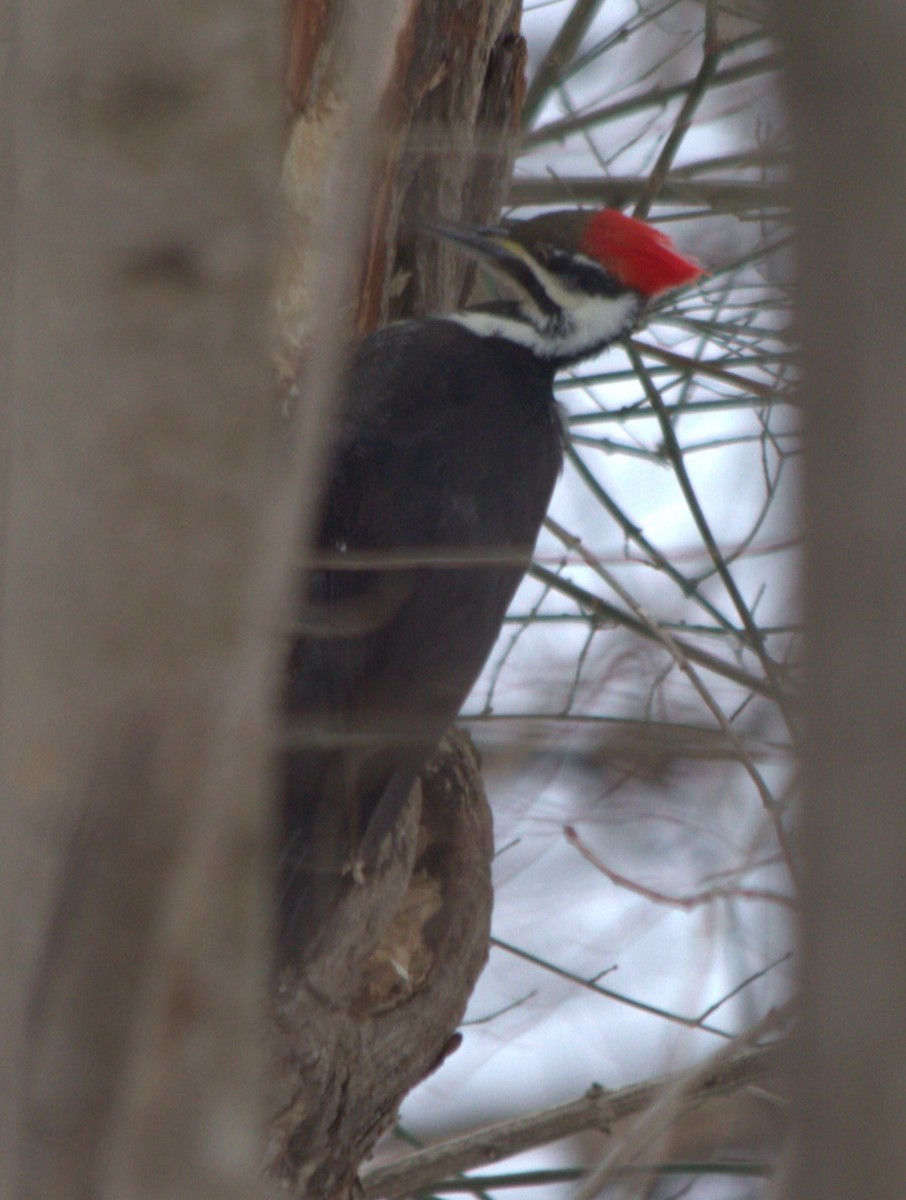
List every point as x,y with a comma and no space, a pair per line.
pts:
388,649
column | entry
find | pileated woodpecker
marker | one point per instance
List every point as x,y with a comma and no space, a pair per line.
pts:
447,453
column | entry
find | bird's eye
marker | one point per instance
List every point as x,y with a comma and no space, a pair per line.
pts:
558,260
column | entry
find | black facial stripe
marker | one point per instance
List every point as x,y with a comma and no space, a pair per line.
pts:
582,275
526,278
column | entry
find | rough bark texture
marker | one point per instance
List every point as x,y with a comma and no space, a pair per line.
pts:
377,1010
447,123
847,93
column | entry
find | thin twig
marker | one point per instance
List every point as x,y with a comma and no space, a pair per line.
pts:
559,57
720,195
754,635
737,1168
669,1102
710,58
609,612
592,985
685,903
747,982
655,98
634,533
695,366
772,808
759,159
597,1109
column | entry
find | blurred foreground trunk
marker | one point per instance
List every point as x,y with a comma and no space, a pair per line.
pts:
847,91
147,550
137,634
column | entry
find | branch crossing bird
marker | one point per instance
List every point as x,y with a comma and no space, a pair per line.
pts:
448,448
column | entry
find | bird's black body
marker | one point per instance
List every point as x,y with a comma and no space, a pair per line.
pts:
448,441
449,447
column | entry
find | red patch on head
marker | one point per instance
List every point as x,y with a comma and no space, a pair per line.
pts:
639,255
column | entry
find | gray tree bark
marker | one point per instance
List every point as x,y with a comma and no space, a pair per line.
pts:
847,93
10,990
139,599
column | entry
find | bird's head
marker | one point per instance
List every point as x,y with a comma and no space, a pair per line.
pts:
582,278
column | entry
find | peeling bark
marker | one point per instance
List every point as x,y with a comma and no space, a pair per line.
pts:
448,120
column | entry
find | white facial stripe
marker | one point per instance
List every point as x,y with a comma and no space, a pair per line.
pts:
585,260
486,324
515,251
561,295
592,321
595,320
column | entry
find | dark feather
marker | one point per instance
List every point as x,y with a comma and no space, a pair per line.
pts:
449,442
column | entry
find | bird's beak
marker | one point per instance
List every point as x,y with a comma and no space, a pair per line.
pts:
487,243
496,248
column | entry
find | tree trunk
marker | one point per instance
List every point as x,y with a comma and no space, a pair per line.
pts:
847,95
377,1010
137,643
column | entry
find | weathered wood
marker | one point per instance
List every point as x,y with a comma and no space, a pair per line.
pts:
378,1007
448,122
377,1010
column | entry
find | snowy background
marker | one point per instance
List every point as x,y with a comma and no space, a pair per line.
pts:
583,723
